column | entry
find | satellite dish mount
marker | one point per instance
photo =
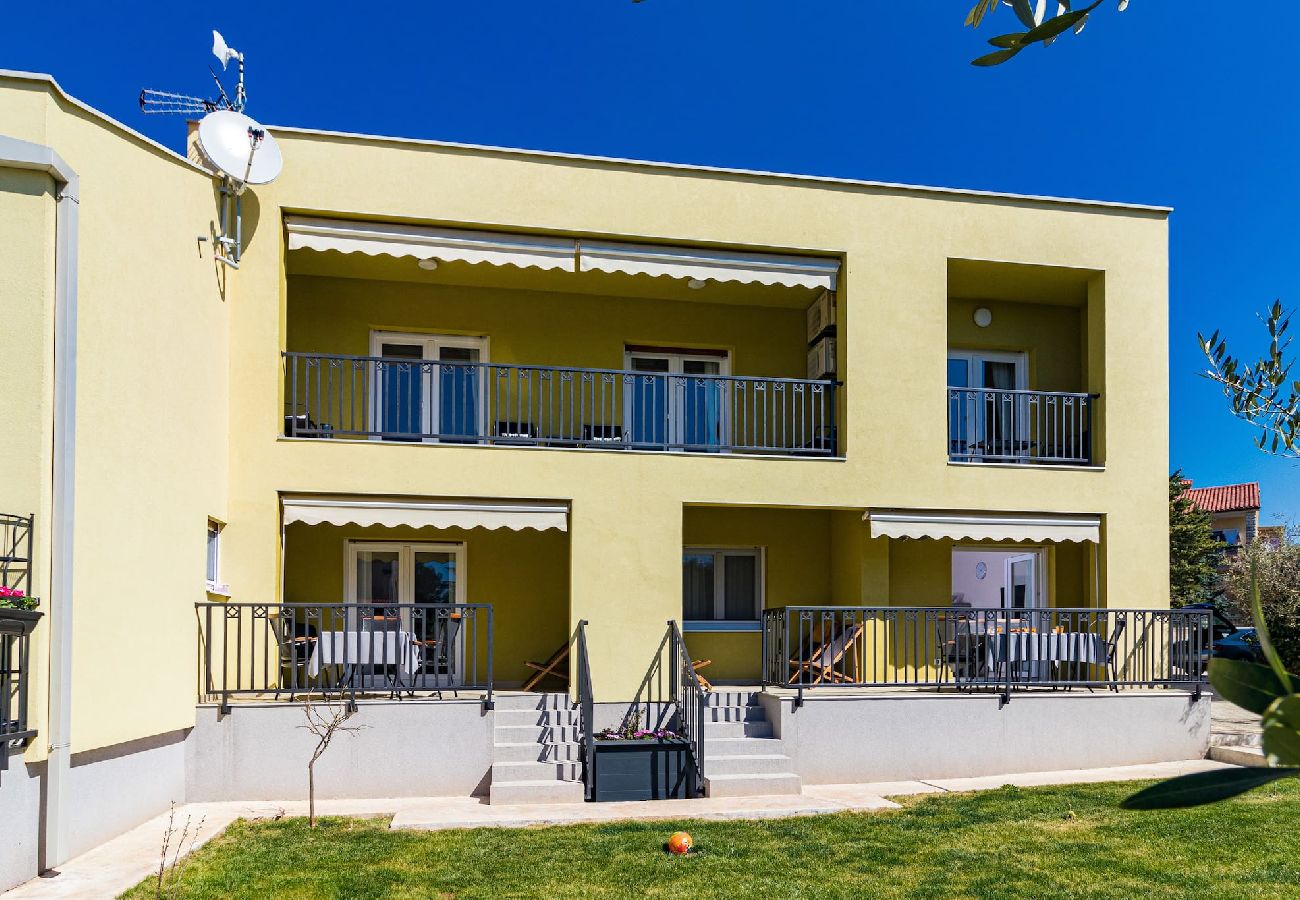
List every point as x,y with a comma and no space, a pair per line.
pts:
236,148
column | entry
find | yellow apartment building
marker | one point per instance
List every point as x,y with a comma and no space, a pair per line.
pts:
499,445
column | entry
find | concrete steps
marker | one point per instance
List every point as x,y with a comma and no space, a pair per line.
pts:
536,757
741,758
1239,755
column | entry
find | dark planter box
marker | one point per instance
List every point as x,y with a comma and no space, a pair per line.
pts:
18,621
643,770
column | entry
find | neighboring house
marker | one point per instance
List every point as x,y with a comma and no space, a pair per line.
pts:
1233,509
459,407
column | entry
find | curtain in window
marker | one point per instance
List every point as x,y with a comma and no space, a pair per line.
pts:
697,586
740,587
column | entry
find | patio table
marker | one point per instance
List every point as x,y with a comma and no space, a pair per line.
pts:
1031,655
362,648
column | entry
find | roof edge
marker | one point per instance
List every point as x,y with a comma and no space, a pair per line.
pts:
58,91
725,170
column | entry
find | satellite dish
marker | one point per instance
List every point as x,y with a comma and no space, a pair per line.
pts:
239,148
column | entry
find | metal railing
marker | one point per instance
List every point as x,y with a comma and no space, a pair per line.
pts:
1002,650
395,399
689,698
16,552
991,425
15,668
286,650
587,706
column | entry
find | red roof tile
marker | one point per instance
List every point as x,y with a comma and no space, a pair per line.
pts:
1226,498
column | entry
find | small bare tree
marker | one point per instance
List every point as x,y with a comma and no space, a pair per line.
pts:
169,874
324,721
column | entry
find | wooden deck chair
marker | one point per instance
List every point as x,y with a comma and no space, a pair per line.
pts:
696,665
823,652
548,668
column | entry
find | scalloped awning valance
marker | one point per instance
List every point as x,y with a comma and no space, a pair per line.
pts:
513,514
562,254
897,523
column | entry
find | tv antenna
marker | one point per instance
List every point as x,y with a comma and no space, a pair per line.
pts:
157,102
238,150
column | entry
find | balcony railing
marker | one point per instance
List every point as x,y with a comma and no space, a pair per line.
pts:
15,672
555,406
291,650
1047,427
1000,650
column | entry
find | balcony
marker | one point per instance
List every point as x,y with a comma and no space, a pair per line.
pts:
987,425
451,402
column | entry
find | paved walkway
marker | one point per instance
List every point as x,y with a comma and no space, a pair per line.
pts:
124,861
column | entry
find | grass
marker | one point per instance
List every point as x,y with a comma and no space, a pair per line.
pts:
1034,842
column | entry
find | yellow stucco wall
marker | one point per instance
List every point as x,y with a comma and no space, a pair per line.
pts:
152,402
1052,337
523,574
336,315
185,424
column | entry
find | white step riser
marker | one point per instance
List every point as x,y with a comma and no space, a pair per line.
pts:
735,714
747,765
534,752
750,785
536,771
743,747
536,792
506,717
532,701
525,734
1236,740
732,698
1240,756
737,729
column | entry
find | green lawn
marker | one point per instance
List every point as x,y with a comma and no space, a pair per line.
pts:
1039,842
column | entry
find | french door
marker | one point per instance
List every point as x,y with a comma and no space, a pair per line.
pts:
681,403
386,574
438,396
986,417
1020,578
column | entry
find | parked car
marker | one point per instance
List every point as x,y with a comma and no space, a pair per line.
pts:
1192,656
1241,644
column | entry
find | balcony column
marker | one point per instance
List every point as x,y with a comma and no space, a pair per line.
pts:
626,581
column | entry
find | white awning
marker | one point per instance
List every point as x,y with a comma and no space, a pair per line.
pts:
423,242
562,254
985,526
513,514
709,265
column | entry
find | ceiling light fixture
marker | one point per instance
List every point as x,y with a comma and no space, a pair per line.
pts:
428,264
695,284
983,318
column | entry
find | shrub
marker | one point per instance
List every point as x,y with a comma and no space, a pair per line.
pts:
1278,569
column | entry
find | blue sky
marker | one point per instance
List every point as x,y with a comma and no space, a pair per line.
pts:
1154,105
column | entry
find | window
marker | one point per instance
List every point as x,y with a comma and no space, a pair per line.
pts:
722,589
984,417
213,574
402,573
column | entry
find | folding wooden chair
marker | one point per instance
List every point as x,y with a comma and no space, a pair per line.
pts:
823,653
549,668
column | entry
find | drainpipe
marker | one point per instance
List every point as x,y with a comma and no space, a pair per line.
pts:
19,154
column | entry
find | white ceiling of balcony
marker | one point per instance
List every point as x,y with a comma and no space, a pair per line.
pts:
364,511
388,252
899,523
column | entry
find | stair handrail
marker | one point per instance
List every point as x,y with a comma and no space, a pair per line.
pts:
587,706
688,697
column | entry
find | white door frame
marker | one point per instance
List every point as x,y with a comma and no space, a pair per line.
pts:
1034,599
406,551
976,424
675,360
430,344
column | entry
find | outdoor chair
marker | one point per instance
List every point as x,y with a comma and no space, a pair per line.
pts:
434,649
960,651
1112,651
297,642
823,651
550,667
